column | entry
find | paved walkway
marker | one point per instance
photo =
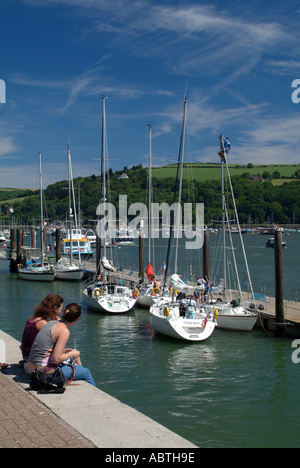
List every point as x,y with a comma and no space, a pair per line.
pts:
27,423
83,413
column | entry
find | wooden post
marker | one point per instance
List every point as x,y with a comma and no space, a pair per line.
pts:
19,256
206,272
13,263
57,242
279,299
32,237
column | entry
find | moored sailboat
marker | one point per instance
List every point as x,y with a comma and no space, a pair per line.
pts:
173,319
41,271
99,293
232,315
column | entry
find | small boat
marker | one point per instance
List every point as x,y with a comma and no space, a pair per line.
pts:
168,319
67,270
108,297
101,294
233,317
271,243
37,272
41,271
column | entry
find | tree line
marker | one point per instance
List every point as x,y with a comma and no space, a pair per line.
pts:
259,201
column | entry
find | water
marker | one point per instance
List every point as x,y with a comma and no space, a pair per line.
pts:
234,390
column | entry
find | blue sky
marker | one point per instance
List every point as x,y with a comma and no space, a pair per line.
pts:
237,58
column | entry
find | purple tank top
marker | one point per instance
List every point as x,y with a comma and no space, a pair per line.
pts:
29,335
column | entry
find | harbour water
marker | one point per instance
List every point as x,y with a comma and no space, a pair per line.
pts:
234,390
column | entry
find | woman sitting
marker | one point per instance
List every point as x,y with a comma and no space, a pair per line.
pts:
49,347
49,308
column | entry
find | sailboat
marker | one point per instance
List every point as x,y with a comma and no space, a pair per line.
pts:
99,293
169,318
65,269
232,315
41,271
149,294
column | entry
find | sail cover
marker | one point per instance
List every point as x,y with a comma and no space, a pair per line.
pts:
149,271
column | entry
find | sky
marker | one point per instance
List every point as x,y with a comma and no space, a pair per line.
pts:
236,62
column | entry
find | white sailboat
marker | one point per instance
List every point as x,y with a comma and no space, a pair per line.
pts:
169,318
100,294
149,294
38,271
232,315
65,269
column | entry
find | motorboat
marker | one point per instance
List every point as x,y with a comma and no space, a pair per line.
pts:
271,243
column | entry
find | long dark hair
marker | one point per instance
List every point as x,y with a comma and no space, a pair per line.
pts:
46,308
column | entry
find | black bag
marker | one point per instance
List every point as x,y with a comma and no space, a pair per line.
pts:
48,380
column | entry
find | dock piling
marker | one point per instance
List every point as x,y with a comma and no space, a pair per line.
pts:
279,299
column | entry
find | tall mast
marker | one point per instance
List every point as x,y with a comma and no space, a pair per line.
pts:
103,164
41,201
70,205
150,194
180,183
223,214
180,159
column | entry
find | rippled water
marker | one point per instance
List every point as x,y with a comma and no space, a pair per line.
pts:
234,390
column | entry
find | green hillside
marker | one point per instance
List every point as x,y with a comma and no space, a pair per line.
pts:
207,171
271,200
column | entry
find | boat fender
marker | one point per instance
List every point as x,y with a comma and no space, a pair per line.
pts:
98,292
135,293
216,314
166,312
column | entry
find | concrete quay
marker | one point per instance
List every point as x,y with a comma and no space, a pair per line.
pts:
83,416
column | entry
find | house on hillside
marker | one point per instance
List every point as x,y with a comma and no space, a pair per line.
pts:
255,178
123,176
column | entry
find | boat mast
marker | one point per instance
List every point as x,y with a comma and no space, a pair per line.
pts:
150,194
175,194
180,182
70,206
222,149
103,168
41,200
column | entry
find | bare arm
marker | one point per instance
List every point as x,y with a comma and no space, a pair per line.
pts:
61,335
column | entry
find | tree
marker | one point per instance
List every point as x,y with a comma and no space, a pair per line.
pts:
276,175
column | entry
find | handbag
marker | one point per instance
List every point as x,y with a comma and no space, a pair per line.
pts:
49,380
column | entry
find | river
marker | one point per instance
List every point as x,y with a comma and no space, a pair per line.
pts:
234,390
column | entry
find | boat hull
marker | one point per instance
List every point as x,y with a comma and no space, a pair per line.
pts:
46,277
181,328
111,303
69,275
236,322
233,318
